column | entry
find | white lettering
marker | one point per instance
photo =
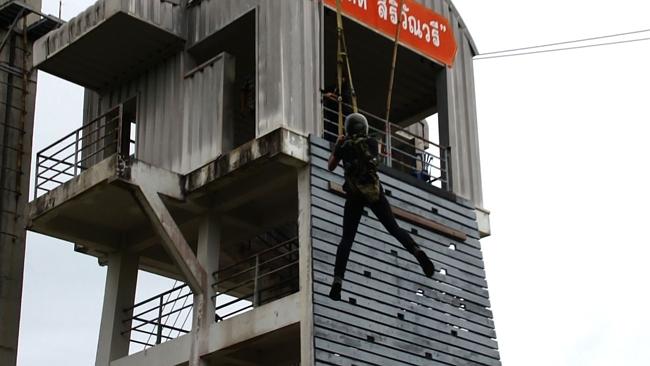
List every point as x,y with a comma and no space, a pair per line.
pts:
363,4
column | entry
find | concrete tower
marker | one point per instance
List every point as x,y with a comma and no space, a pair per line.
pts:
20,24
202,158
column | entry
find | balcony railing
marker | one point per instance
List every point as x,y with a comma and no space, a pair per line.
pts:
268,275
259,279
400,148
163,317
82,148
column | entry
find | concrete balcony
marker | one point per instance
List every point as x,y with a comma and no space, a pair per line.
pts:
112,40
87,192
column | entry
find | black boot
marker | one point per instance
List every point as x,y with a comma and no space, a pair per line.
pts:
335,292
425,262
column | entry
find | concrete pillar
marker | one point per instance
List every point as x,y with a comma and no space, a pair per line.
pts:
12,258
305,265
119,294
207,252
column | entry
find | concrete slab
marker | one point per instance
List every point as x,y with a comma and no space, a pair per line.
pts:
90,49
270,327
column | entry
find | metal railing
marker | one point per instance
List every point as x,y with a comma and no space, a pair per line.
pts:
268,275
161,318
82,148
400,148
264,277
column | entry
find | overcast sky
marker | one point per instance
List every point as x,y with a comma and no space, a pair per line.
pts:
564,159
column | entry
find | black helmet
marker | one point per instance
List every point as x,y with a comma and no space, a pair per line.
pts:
356,123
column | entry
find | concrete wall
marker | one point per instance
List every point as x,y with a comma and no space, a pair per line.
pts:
15,161
160,13
390,313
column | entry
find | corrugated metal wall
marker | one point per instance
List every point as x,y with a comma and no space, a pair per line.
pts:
160,94
288,83
390,313
288,64
207,129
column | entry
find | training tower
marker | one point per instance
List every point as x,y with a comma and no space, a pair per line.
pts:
21,23
202,158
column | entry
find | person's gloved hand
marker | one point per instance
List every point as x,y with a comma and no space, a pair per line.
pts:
339,143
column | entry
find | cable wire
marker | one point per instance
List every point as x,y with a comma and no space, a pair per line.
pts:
563,49
566,42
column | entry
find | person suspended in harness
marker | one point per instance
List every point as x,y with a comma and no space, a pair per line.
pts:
359,154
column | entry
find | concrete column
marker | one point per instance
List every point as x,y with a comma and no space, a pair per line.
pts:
305,265
121,281
207,252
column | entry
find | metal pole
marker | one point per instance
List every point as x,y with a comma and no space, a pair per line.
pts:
389,99
76,151
38,165
256,295
160,328
446,181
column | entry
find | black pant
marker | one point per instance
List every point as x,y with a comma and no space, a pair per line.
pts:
351,217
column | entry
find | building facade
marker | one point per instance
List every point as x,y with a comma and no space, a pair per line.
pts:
202,158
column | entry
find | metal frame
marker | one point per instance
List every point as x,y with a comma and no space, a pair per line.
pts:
420,162
72,154
150,317
262,267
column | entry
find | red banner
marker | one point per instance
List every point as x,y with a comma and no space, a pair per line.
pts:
422,29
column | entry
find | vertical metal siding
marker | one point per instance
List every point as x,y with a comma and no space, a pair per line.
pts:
288,83
179,120
288,48
397,315
206,124
159,111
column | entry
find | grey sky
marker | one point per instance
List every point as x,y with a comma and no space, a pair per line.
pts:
563,145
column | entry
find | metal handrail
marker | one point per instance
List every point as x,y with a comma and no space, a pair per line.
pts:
75,152
409,154
259,270
284,243
149,317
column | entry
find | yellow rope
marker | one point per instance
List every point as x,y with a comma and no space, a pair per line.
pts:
341,54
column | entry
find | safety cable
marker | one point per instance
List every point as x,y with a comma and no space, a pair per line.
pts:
509,52
565,42
565,48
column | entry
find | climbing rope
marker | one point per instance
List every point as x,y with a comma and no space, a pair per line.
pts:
341,56
391,81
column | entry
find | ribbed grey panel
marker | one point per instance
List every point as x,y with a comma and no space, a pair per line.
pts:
160,94
288,56
180,119
390,313
207,126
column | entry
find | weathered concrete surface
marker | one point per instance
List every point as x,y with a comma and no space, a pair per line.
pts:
88,50
305,266
290,146
265,319
99,173
483,219
172,237
17,99
119,294
146,185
